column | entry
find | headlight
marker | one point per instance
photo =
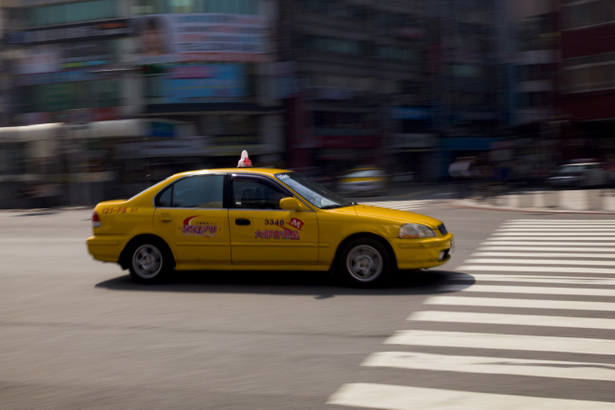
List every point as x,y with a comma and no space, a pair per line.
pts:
415,231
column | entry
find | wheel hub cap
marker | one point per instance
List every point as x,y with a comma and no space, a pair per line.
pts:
364,263
147,261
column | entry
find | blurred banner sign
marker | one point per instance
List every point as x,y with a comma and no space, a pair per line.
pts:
70,32
202,37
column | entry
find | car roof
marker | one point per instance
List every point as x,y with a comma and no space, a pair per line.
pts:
256,171
577,164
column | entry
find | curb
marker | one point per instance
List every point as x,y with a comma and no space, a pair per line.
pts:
570,202
473,204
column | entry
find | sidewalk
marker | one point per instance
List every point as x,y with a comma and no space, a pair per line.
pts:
542,200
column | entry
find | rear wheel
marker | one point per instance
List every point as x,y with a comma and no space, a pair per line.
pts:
150,261
364,262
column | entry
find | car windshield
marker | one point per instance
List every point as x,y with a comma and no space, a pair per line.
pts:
312,192
570,169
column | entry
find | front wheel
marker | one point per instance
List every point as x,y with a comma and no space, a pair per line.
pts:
149,262
364,262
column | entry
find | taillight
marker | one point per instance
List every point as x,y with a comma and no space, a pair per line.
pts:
95,220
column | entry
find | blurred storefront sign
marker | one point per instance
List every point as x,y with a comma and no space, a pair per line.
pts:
467,143
38,60
162,129
99,30
411,113
62,68
217,81
182,84
230,145
348,141
57,77
145,149
413,141
61,63
168,38
328,93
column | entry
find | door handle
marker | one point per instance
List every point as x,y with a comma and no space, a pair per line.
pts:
165,217
242,221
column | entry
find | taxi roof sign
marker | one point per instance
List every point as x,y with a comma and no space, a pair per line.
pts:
244,161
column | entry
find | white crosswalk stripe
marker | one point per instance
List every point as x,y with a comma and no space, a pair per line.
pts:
523,303
559,222
492,365
591,251
527,290
502,341
545,254
606,242
550,269
384,396
544,274
509,262
570,280
514,320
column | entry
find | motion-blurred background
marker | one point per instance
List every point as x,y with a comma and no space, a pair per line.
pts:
101,98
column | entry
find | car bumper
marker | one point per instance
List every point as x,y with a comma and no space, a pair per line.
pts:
104,249
428,253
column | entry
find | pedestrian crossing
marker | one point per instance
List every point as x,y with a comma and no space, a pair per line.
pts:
405,205
539,285
382,396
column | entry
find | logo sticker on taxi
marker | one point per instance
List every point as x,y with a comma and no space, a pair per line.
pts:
297,223
193,227
285,233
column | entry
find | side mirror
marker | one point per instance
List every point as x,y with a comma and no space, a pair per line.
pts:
291,204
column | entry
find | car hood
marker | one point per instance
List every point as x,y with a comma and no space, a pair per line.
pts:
394,214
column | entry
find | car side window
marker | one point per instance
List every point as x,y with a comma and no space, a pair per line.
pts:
200,191
253,193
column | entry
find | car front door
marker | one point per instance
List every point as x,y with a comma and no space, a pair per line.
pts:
191,217
264,234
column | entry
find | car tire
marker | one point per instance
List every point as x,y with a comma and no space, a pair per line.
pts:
150,261
364,262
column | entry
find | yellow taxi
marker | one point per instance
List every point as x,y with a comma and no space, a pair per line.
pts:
363,181
261,219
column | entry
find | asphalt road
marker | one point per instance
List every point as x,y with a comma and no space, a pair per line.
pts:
79,334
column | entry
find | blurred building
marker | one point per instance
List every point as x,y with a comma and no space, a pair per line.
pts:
587,78
103,97
56,56
532,55
353,75
208,63
468,77
107,96
4,81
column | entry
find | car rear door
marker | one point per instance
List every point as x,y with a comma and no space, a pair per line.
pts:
191,217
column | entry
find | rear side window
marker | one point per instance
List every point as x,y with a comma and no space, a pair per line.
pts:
199,191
